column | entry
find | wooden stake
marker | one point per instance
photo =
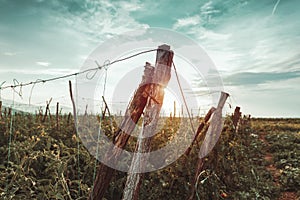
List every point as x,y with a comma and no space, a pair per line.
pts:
200,127
106,108
40,115
9,112
162,75
236,117
0,109
73,104
174,112
212,134
57,115
86,108
121,136
69,118
47,109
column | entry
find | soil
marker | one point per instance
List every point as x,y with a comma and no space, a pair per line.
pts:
275,172
288,196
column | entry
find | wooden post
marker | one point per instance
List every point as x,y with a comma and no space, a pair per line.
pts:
0,109
212,134
86,108
9,112
182,115
106,108
5,112
174,114
57,115
47,109
73,104
69,118
200,127
236,117
121,136
162,75
46,112
39,115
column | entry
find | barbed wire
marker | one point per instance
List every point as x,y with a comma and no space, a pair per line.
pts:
105,66
184,99
99,67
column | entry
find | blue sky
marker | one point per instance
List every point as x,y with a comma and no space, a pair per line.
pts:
254,44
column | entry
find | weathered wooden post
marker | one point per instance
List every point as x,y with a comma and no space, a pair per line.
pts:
74,107
69,118
47,110
212,135
236,117
200,127
57,115
9,112
105,108
174,114
86,110
162,75
5,112
121,136
0,109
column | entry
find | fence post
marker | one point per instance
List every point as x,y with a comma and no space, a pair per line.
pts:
121,136
162,75
236,117
73,105
57,115
174,114
105,109
200,127
9,112
69,118
212,134
0,109
47,109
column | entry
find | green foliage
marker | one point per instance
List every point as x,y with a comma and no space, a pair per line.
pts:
44,162
285,147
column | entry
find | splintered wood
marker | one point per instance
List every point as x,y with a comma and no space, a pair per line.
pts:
199,130
211,137
121,136
161,77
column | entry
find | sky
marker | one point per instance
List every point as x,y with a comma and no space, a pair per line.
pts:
254,45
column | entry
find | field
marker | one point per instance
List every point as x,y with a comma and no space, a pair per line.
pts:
260,160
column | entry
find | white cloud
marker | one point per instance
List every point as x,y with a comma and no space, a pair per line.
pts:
130,6
273,99
45,64
207,6
9,54
51,71
99,20
188,21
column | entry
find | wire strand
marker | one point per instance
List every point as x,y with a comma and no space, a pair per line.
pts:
184,99
99,67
